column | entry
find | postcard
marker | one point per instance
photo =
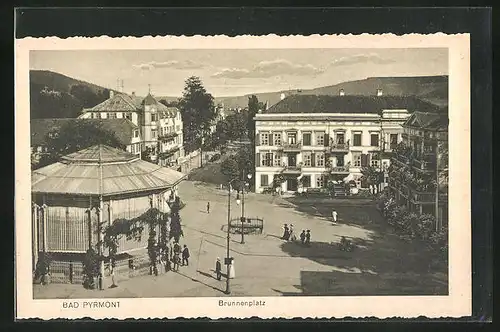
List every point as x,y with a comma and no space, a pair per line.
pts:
322,176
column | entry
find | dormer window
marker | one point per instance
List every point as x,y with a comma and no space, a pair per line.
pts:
154,117
136,133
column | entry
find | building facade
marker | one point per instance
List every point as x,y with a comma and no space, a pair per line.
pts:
160,127
309,139
419,167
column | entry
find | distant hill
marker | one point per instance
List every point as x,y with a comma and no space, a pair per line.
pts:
53,95
433,89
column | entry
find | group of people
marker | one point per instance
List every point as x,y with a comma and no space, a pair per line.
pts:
289,235
177,254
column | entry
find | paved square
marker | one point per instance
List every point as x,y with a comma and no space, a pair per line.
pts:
265,265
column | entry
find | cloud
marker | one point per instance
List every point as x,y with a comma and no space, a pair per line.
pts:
361,58
266,69
174,64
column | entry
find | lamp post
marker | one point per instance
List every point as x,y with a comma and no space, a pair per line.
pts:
228,287
242,219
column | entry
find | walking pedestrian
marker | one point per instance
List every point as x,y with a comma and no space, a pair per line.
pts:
218,268
308,238
185,256
176,261
303,237
231,269
334,216
293,237
208,207
286,233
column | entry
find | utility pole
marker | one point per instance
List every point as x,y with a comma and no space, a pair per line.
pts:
436,198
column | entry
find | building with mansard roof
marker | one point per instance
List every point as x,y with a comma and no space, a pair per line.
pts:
160,126
311,139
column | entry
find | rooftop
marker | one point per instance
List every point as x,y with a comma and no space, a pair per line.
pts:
40,128
430,121
348,104
102,170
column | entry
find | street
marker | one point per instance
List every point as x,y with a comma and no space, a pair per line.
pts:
265,265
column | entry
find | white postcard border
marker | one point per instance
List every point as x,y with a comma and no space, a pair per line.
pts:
457,303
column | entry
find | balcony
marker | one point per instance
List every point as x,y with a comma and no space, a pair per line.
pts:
168,153
292,169
404,190
291,147
168,137
423,197
423,164
339,147
339,169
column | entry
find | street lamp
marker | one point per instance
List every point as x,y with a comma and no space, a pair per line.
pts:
228,258
242,219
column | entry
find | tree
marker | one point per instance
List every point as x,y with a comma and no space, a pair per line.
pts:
198,111
74,136
372,176
253,108
229,168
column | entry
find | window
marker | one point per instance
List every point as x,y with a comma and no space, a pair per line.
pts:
178,128
320,160
292,138
92,115
99,116
320,139
136,133
264,180
264,139
374,140
374,160
393,141
277,138
113,115
306,181
108,115
340,138
357,139
277,160
267,159
306,159
154,133
154,117
356,157
306,139
320,181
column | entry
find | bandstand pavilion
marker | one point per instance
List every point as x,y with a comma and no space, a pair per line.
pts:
73,199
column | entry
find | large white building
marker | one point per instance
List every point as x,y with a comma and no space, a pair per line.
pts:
309,138
160,127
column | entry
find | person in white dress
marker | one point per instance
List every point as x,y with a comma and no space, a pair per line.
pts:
231,269
334,216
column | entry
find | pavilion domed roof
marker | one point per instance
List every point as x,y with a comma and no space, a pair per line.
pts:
99,154
102,170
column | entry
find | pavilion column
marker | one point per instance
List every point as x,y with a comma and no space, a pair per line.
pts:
34,230
110,215
90,222
44,226
100,238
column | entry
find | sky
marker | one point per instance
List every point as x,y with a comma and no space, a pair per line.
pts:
234,72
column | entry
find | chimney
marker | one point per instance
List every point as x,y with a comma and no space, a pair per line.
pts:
111,94
133,93
379,92
341,92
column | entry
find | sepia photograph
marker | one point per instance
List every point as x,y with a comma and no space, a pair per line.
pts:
239,173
